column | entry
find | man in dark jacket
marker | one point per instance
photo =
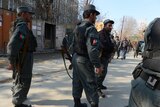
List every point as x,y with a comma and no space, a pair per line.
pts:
85,58
107,48
20,49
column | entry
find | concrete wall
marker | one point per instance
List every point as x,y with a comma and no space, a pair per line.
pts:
38,30
60,33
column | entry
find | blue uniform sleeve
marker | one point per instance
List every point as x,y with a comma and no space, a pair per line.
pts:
93,46
15,44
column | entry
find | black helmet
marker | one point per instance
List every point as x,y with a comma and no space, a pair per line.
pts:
91,7
152,39
24,9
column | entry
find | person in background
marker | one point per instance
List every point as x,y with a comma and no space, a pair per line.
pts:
123,48
117,46
114,42
130,47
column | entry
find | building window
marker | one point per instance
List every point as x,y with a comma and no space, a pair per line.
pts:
0,3
11,5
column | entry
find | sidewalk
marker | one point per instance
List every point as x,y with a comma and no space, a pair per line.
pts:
51,87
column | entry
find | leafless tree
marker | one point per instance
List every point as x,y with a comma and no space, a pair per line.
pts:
141,29
57,11
101,17
127,27
43,9
88,2
54,11
82,4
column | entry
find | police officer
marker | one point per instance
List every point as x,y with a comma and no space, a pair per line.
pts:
107,48
85,58
20,49
145,90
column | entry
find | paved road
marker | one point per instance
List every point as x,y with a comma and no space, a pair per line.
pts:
51,87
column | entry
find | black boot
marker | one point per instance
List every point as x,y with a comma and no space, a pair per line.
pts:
101,94
102,87
77,103
22,105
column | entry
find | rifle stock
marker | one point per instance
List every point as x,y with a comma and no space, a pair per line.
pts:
22,55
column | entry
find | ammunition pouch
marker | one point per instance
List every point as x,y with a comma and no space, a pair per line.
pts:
137,71
152,81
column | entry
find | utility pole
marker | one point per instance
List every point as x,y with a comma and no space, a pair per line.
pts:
122,28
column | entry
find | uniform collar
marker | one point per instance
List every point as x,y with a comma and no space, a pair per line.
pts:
87,21
20,19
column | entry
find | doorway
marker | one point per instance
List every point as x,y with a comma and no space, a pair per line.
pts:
50,36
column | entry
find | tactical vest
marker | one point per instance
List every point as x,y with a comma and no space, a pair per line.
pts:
81,38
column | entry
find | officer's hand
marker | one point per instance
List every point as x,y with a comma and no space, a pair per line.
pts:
10,67
99,70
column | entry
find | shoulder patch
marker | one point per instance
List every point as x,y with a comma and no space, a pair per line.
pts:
21,36
94,41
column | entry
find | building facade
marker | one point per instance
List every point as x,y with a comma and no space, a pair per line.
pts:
51,19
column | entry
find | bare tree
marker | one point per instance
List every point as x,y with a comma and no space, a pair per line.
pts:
43,9
54,11
72,11
127,27
101,17
141,29
88,2
82,4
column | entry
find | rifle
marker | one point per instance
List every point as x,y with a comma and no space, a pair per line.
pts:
69,57
21,57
